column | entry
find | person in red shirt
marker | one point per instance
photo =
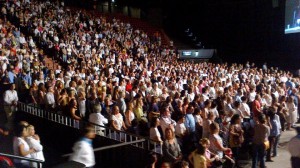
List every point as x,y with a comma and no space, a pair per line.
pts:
128,85
256,106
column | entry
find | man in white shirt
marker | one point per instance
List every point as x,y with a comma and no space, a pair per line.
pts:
99,119
180,129
83,149
50,100
166,121
245,109
22,39
10,104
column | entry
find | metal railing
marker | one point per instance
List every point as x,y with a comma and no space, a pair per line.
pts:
39,162
103,131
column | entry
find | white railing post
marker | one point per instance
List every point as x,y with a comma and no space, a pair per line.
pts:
137,145
39,112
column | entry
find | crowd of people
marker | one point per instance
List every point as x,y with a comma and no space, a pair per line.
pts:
116,76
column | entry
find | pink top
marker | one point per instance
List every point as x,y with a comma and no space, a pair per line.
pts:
207,153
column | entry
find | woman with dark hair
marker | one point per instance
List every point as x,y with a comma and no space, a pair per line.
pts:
154,133
236,137
152,160
33,93
63,100
41,95
154,109
73,110
282,112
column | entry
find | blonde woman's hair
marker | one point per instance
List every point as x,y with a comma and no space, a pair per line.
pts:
30,126
204,141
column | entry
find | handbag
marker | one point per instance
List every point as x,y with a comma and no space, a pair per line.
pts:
238,140
267,145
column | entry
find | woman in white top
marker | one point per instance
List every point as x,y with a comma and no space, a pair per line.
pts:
216,141
34,142
81,103
206,124
117,124
21,147
129,115
155,134
292,111
117,119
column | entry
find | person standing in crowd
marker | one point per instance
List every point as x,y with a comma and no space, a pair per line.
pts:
97,118
211,159
83,149
171,149
256,106
73,111
152,160
190,123
117,121
236,137
21,147
166,121
82,104
261,134
10,104
34,142
292,110
294,149
197,158
50,100
275,130
154,132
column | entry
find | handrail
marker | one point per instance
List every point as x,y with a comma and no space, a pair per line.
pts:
103,131
110,146
23,158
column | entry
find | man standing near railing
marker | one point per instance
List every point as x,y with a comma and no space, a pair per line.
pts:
10,104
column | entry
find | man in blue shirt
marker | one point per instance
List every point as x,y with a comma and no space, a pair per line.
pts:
27,78
11,75
190,123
